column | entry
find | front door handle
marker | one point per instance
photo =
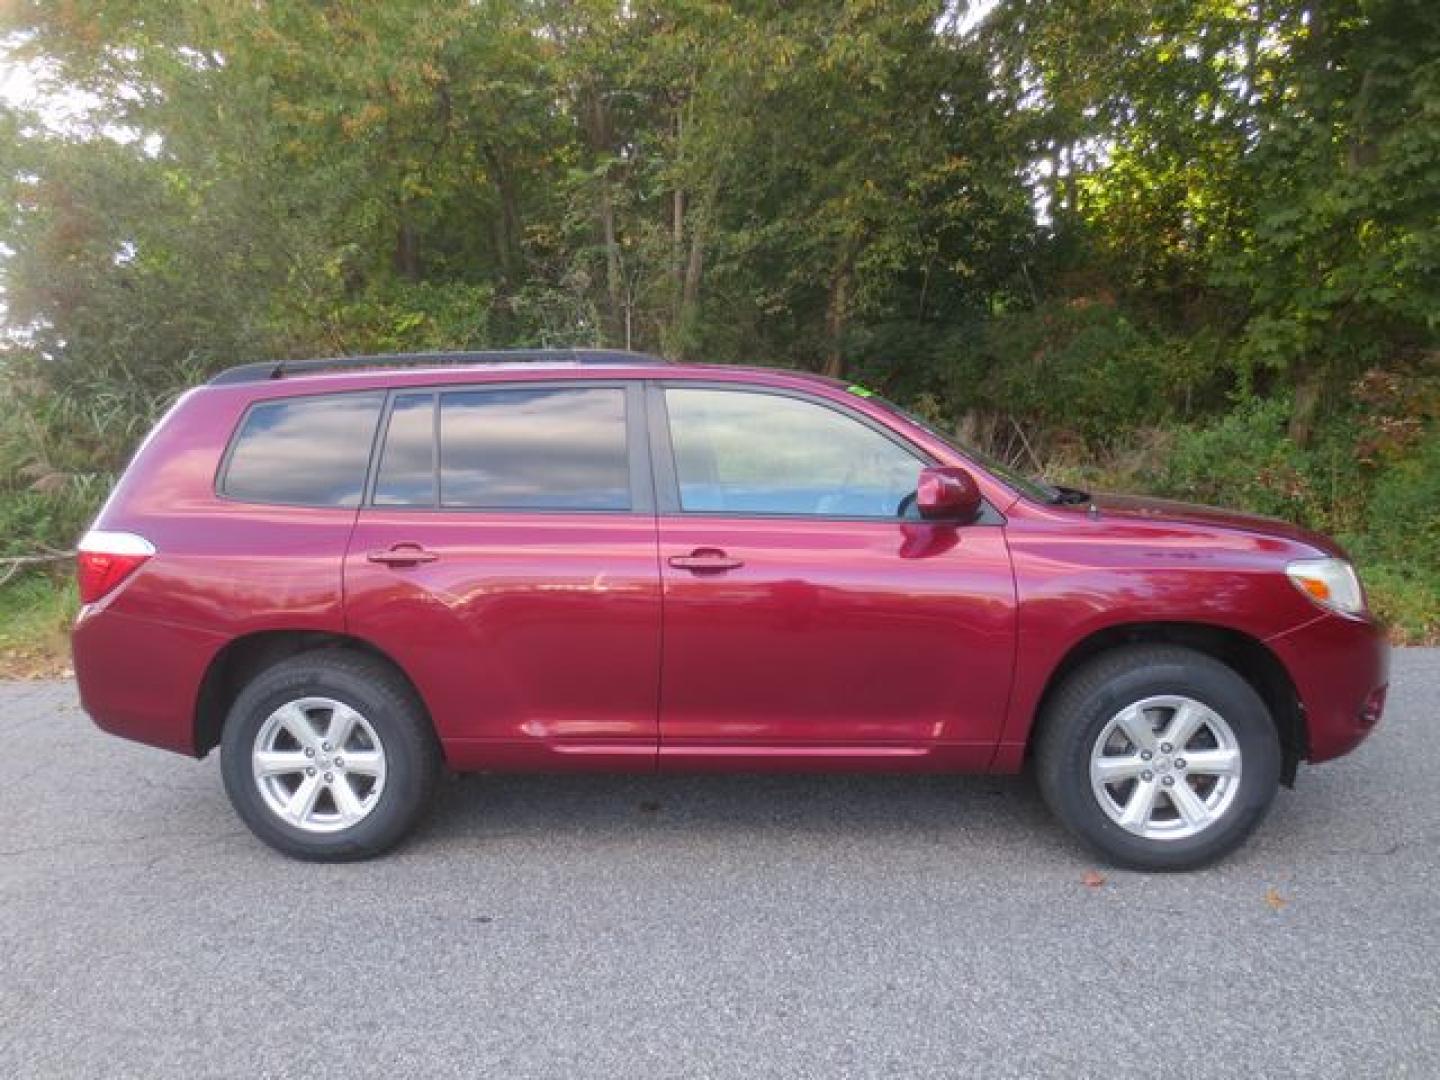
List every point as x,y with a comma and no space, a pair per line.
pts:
703,559
402,555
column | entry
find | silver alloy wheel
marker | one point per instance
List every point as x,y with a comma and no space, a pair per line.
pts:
1166,767
318,764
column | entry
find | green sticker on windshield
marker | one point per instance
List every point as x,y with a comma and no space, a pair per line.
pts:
860,391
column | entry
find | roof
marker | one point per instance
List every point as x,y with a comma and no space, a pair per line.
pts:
280,369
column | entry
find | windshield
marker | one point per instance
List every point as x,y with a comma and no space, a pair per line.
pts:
1034,489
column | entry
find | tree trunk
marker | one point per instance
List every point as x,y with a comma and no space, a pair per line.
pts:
677,227
835,317
694,265
1307,403
406,258
597,130
507,225
677,249
614,284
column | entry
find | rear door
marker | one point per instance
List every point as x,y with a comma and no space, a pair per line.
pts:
505,556
808,617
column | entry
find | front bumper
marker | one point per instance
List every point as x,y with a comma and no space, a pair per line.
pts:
1341,670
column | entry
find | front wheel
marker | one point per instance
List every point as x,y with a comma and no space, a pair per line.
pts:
328,756
1158,757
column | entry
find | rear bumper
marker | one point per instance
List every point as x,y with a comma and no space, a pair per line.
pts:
1341,670
138,678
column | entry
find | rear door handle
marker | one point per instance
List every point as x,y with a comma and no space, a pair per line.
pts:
402,555
703,559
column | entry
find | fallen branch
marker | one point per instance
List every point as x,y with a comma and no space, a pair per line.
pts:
13,564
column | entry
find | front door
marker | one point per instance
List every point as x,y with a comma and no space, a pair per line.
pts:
506,557
808,617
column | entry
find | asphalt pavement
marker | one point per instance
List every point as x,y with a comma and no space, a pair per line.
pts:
820,926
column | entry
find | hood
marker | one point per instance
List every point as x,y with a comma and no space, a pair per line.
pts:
1167,510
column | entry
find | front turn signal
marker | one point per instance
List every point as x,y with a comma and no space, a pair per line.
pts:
1330,583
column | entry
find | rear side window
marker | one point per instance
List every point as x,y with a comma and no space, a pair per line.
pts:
534,449
407,463
507,449
304,451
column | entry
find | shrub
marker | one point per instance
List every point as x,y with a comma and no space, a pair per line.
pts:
1403,520
1244,460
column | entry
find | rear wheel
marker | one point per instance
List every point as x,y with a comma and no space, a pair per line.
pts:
1159,757
328,756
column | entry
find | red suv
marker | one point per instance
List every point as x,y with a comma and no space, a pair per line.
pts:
347,574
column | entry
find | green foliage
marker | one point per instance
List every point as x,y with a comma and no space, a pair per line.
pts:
35,616
1407,599
1086,368
1399,542
1404,513
1243,460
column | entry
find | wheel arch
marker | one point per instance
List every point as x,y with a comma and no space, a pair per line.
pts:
246,657
1246,655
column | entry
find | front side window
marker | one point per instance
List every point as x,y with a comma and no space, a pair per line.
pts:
754,453
303,451
537,449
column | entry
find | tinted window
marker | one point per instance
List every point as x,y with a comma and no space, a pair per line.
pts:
743,452
306,451
534,449
407,464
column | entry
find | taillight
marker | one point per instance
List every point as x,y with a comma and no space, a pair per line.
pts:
105,559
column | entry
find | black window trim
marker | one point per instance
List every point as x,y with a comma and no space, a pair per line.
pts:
382,436
222,470
667,483
642,488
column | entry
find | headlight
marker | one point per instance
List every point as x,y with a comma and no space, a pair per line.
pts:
1331,583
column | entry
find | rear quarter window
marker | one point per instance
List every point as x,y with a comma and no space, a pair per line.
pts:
311,451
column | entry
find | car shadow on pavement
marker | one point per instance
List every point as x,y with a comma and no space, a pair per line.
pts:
980,810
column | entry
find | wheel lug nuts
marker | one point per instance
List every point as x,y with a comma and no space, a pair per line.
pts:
1179,763
1165,748
1147,775
310,771
1146,755
1169,781
325,747
339,763
329,777
309,751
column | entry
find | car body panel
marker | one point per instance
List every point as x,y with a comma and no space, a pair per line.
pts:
1079,573
1340,667
537,629
834,633
224,570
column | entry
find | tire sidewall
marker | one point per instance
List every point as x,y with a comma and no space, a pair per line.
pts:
1213,685
404,765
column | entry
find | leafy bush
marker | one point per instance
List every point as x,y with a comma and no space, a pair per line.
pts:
1404,513
1084,367
1244,460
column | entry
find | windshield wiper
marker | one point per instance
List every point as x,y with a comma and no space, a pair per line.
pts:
1068,496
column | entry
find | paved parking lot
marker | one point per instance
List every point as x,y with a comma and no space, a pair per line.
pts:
707,927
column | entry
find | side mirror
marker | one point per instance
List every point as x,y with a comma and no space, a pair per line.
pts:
947,493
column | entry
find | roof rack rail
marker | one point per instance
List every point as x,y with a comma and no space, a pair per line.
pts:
279,369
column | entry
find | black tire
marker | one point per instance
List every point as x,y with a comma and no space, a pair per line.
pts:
370,687
1078,712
